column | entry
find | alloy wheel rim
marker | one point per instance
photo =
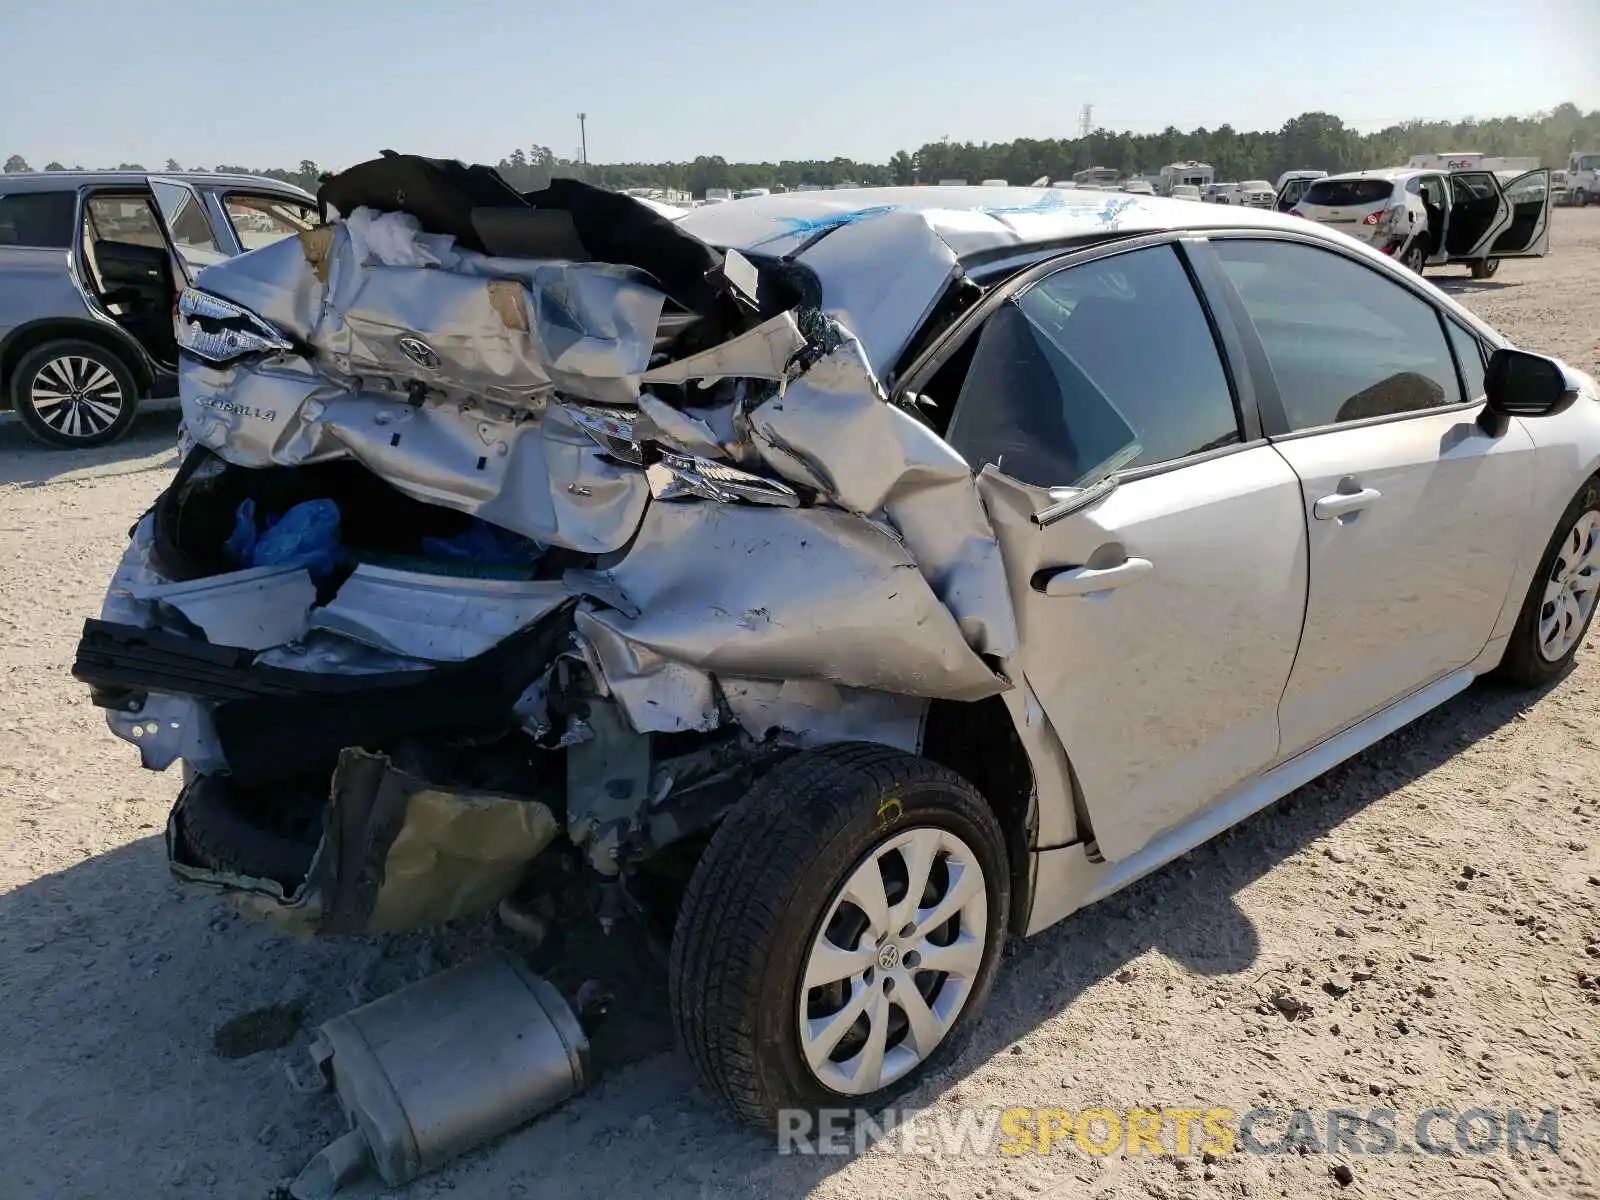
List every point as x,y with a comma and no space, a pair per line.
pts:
1571,589
894,961
76,396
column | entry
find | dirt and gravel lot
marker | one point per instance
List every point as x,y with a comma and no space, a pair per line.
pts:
1435,903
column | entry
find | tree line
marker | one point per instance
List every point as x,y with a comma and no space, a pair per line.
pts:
1314,140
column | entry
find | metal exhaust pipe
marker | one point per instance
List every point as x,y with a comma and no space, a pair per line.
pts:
437,1068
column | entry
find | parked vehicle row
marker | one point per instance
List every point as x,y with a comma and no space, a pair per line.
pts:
1427,218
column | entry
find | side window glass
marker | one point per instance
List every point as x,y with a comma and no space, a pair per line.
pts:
125,219
1344,343
261,220
1469,353
1092,370
187,223
40,219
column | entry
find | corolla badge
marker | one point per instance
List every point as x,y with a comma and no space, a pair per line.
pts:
419,352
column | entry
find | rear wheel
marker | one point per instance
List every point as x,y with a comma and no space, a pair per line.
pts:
1561,599
1415,257
1485,268
840,933
74,394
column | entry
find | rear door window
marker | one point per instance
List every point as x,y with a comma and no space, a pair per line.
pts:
41,219
1344,342
1477,186
1063,388
1348,193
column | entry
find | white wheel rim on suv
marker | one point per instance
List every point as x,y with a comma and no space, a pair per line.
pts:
1569,594
76,396
894,961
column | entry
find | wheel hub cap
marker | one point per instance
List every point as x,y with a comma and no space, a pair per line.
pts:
894,961
76,396
1570,592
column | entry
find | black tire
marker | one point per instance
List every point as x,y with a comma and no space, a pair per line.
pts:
1415,258
758,896
222,836
1524,665
1485,268
98,414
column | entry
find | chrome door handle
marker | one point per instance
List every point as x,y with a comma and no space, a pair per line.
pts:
1343,503
1080,581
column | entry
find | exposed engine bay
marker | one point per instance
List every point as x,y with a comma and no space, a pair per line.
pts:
506,516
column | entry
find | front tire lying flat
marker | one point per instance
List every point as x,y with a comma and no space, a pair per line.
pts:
1485,268
840,933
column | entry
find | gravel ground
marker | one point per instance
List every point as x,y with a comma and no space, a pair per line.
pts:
1444,884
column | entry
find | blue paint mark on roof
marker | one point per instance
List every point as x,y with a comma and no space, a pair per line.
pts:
1108,211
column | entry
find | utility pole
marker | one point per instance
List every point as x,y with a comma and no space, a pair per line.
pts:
583,138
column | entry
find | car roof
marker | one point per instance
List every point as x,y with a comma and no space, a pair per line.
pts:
1393,174
51,181
973,221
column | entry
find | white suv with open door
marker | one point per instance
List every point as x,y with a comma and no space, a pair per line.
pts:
1430,218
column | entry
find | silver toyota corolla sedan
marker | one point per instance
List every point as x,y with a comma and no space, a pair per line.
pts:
841,582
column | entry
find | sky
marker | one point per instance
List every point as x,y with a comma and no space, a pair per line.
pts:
98,82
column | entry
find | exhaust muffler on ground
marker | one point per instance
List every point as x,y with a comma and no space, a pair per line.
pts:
435,1069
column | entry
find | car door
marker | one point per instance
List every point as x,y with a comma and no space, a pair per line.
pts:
1435,191
1478,213
1527,235
1414,512
131,264
1154,543
188,228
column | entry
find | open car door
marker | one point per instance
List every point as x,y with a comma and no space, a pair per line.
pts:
1527,233
187,225
1479,214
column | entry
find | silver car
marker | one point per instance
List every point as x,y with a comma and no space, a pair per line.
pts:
91,264
910,569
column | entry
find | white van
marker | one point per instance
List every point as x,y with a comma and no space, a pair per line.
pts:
1430,218
1292,185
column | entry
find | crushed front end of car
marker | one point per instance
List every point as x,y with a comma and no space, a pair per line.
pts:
503,520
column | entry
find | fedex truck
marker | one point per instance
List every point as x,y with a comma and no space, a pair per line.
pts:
1470,161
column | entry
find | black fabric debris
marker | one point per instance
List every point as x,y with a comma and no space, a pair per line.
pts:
619,229
570,220
440,192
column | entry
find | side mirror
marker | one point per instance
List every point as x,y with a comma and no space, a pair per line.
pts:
1519,384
